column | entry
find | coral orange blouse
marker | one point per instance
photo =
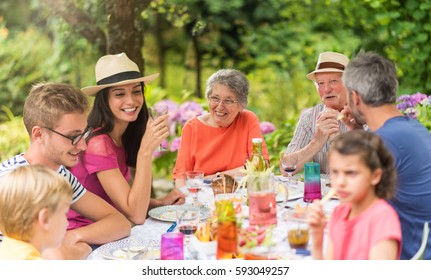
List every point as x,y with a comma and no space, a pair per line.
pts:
217,149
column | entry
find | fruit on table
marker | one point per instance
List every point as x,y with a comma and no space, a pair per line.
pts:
208,231
252,236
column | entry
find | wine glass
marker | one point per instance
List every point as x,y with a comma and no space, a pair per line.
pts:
194,182
157,111
289,163
188,222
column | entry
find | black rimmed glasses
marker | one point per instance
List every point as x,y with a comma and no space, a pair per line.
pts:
227,102
75,139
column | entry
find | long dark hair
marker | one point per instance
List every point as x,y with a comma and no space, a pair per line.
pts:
102,117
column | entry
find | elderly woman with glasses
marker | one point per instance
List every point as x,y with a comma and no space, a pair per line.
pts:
220,141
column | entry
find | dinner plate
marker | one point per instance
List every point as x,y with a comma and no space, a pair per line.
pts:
294,193
118,250
297,190
168,213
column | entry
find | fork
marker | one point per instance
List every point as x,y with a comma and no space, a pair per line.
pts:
140,255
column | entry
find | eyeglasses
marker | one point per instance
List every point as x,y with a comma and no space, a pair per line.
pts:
75,139
227,102
332,83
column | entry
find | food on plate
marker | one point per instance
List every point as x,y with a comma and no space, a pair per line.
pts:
168,215
252,236
237,200
224,183
299,209
280,188
233,197
207,232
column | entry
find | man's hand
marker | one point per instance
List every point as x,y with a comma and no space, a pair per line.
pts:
348,119
327,125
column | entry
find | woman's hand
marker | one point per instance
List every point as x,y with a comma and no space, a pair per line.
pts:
172,198
157,130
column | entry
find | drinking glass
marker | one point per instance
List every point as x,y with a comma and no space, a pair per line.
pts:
262,202
289,163
172,247
227,238
187,222
157,111
137,247
312,188
297,228
194,182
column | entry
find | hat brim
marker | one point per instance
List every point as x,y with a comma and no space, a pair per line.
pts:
311,77
93,90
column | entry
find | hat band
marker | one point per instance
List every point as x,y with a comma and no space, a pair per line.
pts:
335,65
123,76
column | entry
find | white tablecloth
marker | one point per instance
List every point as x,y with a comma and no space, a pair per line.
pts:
152,229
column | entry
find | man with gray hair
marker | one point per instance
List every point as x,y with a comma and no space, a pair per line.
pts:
372,84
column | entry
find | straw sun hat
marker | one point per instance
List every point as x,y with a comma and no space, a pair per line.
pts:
114,70
329,62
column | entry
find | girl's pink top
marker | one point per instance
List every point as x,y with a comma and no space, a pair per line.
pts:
353,239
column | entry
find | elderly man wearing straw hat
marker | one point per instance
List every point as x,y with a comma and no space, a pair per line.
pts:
125,136
317,126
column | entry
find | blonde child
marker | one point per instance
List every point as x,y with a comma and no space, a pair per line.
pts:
32,219
364,225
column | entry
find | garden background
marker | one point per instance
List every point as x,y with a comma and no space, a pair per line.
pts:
274,42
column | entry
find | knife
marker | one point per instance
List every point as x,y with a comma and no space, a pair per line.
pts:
172,227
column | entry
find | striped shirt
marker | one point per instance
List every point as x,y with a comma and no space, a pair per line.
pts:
19,160
304,133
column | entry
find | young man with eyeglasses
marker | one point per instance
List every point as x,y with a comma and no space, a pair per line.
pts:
55,116
317,126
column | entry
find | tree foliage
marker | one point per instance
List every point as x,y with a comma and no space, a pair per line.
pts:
274,42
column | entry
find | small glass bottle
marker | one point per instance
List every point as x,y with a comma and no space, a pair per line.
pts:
256,157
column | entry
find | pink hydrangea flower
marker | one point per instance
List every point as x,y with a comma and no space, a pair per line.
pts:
267,127
175,145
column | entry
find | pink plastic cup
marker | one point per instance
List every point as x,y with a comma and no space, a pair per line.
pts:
172,247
